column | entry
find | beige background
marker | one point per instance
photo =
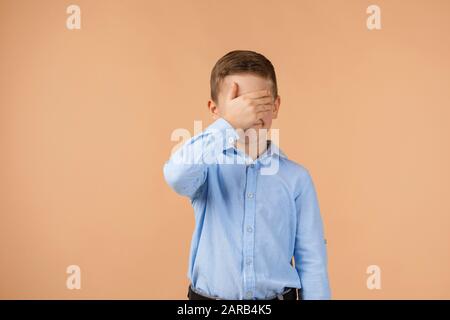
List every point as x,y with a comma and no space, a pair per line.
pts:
86,118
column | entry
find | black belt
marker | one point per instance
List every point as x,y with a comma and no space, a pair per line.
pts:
288,294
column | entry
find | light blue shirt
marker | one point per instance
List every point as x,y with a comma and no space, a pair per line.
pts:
251,218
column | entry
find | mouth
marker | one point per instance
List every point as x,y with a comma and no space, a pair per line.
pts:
259,123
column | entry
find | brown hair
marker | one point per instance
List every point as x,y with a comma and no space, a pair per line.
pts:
241,61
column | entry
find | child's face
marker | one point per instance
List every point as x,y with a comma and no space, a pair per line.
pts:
247,83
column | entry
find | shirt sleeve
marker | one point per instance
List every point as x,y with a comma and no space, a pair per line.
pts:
310,252
186,170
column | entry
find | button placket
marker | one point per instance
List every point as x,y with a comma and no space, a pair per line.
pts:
249,240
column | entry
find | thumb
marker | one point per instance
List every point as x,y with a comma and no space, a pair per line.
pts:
232,92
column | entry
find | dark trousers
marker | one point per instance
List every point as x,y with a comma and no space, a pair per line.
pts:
291,294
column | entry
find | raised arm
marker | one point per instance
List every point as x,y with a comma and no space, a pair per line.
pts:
187,168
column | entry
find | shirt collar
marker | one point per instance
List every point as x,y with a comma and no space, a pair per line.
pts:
274,149
271,151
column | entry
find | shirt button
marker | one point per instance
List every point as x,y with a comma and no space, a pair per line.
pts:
250,195
249,229
230,140
252,165
249,294
249,261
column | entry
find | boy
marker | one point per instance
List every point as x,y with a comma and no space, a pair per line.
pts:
250,219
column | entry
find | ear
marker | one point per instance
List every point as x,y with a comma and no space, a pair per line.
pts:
276,107
213,109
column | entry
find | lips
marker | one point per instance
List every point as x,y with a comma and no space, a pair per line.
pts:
259,123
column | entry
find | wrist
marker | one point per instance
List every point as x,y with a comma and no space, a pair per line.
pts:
231,121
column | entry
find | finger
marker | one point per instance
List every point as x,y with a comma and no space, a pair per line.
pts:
232,91
264,107
256,94
262,114
263,100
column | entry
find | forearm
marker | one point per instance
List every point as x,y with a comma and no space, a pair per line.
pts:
311,265
186,170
